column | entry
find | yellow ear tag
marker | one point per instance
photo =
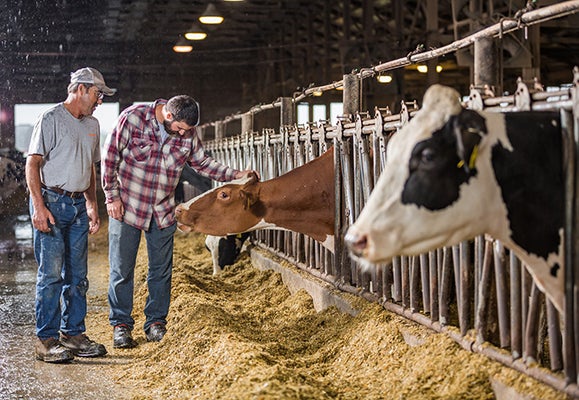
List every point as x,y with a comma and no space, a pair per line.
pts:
460,164
473,156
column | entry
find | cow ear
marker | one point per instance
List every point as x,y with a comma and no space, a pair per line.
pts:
249,198
469,128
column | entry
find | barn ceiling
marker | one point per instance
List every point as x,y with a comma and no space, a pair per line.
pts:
264,49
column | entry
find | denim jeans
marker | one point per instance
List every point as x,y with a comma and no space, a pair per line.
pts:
61,254
123,246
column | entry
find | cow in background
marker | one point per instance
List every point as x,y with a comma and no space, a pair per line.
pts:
452,174
225,249
302,200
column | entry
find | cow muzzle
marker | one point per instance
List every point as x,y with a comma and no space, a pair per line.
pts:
356,243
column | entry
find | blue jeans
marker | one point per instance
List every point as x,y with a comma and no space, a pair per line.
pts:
123,246
61,254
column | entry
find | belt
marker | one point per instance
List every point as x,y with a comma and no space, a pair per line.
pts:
73,195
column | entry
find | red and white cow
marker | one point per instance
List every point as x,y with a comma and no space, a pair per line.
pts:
302,200
453,174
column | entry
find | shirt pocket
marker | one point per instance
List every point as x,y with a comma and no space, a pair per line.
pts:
178,155
140,149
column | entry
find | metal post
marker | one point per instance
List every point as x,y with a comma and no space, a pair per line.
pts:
219,130
351,95
247,122
485,72
287,112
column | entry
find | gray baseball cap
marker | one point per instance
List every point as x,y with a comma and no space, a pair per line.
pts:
92,76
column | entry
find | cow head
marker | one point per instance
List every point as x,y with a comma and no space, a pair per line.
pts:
231,208
430,185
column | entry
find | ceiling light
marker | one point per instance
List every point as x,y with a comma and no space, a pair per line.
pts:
317,93
182,46
195,33
424,69
211,16
386,78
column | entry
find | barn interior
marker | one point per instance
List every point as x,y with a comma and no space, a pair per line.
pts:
263,49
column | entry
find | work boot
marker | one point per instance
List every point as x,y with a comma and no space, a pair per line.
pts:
82,346
122,338
52,351
155,332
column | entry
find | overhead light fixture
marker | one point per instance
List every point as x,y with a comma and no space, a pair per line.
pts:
195,33
182,46
211,16
317,93
384,78
422,68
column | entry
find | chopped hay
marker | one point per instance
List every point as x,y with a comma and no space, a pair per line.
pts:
242,335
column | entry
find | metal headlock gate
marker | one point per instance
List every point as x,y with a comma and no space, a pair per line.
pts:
478,292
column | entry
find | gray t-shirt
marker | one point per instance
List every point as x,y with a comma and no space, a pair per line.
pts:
69,146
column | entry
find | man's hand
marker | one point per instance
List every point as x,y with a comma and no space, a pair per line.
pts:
116,210
42,218
247,173
94,221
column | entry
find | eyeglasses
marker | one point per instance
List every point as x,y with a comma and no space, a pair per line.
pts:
99,93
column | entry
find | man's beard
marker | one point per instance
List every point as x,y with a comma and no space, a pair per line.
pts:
167,126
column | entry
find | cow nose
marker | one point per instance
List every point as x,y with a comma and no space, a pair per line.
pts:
356,243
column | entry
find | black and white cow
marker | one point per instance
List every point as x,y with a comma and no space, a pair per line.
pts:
452,174
225,249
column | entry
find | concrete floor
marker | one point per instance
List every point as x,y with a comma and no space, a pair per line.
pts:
21,375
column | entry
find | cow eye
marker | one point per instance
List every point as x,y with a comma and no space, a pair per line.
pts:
427,155
223,195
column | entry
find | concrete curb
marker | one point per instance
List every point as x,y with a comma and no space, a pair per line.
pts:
323,294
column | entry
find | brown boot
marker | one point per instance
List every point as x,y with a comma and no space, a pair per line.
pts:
51,351
82,346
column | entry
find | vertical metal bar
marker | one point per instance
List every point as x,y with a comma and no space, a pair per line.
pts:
465,278
425,283
482,305
516,306
433,277
405,284
570,125
397,295
531,328
501,286
415,284
555,342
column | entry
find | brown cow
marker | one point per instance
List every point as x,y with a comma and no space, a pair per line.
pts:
301,200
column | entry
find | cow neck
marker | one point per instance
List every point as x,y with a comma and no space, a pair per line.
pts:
302,200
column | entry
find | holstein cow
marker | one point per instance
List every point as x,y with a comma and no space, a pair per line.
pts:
452,174
225,249
301,200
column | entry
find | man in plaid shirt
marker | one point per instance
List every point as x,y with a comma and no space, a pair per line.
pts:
142,162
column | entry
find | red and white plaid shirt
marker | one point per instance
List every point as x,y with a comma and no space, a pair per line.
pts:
143,171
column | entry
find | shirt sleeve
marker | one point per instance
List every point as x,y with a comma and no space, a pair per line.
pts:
114,144
43,135
206,165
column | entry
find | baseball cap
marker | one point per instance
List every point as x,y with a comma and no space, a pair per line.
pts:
92,76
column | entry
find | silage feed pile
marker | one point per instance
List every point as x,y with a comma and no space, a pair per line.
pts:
242,335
